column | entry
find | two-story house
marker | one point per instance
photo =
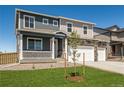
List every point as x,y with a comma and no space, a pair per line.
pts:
115,37
43,38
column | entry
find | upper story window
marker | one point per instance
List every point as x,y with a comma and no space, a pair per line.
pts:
29,21
69,27
45,21
55,23
85,28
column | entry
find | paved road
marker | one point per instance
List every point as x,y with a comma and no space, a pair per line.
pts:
117,67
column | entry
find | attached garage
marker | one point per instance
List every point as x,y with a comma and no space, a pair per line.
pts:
101,54
89,54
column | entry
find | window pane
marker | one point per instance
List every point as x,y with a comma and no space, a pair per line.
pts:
69,30
30,44
26,21
31,20
69,25
55,23
31,23
45,21
38,44
85,29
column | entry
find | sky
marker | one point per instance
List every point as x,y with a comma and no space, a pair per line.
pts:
102,16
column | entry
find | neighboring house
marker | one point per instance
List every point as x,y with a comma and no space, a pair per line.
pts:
115,37
44,38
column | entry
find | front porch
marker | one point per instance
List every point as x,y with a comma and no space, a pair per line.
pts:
116,51
41,47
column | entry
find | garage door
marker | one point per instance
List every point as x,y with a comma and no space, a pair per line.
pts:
89,54
101,54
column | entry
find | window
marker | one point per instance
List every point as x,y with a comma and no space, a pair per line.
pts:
29,21
34,44
85,28
45,21
38,44
30,44
55,23
69,27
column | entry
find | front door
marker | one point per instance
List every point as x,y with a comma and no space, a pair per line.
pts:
113,50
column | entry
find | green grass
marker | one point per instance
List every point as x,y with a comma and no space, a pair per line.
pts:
55,78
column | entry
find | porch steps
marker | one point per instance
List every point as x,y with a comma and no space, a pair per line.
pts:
37,61
115,58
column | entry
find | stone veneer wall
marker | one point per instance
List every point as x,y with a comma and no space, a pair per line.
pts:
37,54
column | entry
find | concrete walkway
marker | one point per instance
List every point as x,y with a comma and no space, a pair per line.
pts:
111,66
117,67
31,66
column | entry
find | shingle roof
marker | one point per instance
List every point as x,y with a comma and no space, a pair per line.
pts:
111,27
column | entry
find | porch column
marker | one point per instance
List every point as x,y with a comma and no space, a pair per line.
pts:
53,48
66,47
122,51
108,50
21,47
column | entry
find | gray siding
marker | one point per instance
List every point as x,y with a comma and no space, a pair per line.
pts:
38,22
46,42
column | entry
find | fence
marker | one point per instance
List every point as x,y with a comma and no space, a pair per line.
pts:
8,58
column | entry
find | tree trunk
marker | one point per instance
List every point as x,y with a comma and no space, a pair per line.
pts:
74,55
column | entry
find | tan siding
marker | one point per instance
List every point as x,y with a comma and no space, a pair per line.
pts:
118,36
77,26
102,37
121,36
114,36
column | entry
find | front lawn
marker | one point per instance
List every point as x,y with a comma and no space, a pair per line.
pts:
55,78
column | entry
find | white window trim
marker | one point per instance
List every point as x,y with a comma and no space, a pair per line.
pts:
83,29
29,21
67,26
59,24
55,21
34,43
47,21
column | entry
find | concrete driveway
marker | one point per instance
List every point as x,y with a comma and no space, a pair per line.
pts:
111,66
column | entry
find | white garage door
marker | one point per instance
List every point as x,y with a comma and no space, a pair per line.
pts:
101,54
89,54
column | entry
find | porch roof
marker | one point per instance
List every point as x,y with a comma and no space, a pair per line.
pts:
45,32
116,42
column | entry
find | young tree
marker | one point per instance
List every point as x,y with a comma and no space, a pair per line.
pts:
74,42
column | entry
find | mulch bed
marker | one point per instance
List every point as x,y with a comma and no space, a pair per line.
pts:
75,78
